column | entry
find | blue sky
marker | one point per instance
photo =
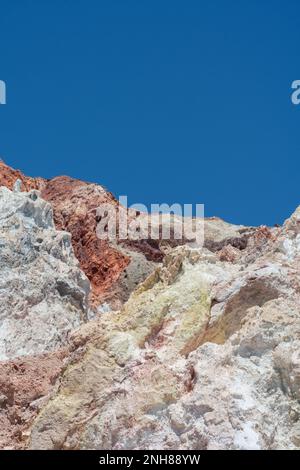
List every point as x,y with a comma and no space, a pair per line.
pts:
164,101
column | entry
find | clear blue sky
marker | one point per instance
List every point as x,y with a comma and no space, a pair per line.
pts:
165,101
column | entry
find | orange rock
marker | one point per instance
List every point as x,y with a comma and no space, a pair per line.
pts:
25,384
74,204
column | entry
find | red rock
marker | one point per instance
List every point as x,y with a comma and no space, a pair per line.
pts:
74,204
8,176
24,383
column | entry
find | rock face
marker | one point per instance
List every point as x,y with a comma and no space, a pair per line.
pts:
202,353
114,269
74,205
43,293
25,384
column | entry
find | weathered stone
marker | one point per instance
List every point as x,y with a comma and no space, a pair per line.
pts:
202,353
43,293
115,268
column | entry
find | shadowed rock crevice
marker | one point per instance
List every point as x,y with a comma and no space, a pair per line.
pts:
256,292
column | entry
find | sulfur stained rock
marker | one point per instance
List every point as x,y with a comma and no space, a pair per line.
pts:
153,376
201,352
115,268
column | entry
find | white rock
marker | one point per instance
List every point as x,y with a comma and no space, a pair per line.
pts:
43,293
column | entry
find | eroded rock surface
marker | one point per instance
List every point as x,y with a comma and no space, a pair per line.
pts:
114,268
201,353
25,385
43,293
204,355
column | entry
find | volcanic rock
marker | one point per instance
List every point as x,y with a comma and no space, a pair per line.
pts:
201,352
43,293
115,267
204,355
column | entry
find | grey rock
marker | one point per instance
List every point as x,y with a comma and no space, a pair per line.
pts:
43,293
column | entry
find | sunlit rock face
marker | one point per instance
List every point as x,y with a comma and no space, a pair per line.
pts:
202,352
204,355
43,293
114,267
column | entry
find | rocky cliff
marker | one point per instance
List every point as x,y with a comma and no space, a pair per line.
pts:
43,293
198,347
113,268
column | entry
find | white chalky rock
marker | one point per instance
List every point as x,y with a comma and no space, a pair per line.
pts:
43,293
